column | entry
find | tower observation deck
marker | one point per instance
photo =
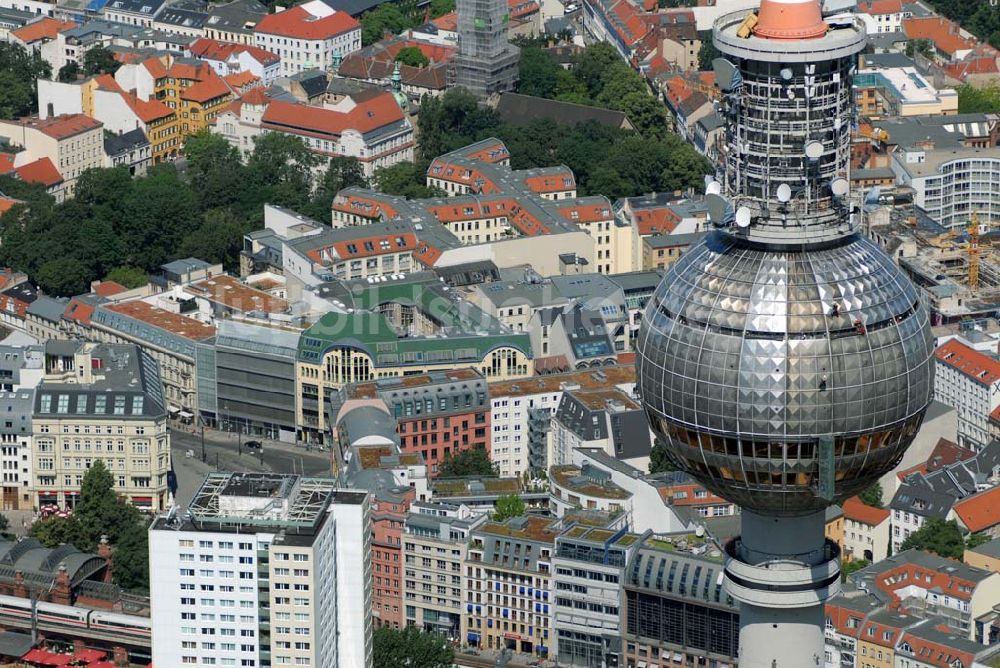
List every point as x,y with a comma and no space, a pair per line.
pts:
785,361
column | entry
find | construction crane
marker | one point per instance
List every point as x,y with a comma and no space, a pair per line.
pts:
974,251
870,132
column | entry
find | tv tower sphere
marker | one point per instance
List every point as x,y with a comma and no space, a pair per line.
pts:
785,361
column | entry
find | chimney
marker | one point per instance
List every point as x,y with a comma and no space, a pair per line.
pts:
104,551
19,589
62,594
120,657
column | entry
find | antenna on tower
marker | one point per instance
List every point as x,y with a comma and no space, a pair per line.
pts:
720,211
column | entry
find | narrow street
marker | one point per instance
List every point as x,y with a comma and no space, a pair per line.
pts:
223,453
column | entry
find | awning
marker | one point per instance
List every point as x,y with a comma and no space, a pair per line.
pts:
173,409
186,414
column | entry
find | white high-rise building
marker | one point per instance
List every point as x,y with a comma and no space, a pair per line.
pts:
263,570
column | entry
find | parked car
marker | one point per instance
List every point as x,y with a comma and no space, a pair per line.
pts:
253,445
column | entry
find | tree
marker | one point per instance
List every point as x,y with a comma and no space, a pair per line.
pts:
387,17
341,172
100,60
69,72
471,462
19,70
15,96
55,531
412,56
977,539
410,647
538,73
872,496
131,558
130,277
215,172
279,170
937,536
978,100
405,179
507,506
218,239
921,46
452,121
592,63
707,53
441,7
64,276
4,523
646,113
848,567
658,462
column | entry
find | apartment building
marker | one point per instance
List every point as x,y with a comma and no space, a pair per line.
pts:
72,142
263,569
866,531
308,36
508,580
437,414
968,381
100,402
675,610
521,412
607,419
589,563
586,486
15,448
435,546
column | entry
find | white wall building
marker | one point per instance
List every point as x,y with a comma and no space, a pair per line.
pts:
308,36
208,579
969,382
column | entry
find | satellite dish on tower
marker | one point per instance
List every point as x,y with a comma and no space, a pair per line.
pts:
720,211
814,149
725,73
786,73
839,186
713,188
784,192
743,217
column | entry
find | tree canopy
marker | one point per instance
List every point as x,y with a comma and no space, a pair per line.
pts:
937,536
848,567
658,462
19,70
978,100
507,506
872,496
410,647
412,56
133,225
471,462
100,512
99,60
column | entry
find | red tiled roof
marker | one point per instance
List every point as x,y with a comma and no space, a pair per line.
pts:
979,511
211,49
172,322
909,574
297,22
40,171
7,203
876,7
79,311
973,65
551,183
343,251
939,30
855,509
147,110
64,125
240,80
255,96
447,22
520,8
192,71
370,114
937,654
972,363
108,288
427,255
45,28
366,207
878,637
7,162
210,87
107,82
661,220
590,213
155,67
